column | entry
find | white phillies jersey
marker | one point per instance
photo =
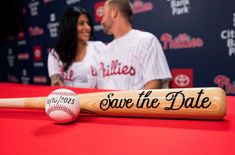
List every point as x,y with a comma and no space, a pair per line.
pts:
132,60
79,74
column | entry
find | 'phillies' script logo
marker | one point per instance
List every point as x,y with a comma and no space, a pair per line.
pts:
139,6
116,68
68,76
12,78
35,31
40,79
224,82
181,41
177,100
93,71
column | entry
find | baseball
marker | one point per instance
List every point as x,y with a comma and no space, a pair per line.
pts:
62,105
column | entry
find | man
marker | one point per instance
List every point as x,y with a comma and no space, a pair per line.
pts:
134,59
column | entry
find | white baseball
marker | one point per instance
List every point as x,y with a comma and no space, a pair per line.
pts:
62,105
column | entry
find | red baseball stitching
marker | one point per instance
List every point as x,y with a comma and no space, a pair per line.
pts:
64,93
62,108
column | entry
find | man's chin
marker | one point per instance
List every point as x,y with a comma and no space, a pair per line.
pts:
107,32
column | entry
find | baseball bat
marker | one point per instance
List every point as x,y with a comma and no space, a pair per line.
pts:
191,103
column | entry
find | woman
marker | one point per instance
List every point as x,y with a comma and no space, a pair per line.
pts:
73,60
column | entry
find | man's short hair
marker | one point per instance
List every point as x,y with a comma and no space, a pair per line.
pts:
124,6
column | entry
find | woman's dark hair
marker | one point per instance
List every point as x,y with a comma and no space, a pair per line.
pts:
66,44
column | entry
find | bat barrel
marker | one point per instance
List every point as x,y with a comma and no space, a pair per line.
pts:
195,103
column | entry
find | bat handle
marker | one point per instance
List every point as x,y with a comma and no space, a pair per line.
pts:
31,103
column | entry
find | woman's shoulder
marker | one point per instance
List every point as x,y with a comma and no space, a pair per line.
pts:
96,43
53,53
96,46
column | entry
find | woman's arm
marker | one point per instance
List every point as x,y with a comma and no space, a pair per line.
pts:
57,80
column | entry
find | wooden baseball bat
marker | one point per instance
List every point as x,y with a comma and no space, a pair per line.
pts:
192,103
